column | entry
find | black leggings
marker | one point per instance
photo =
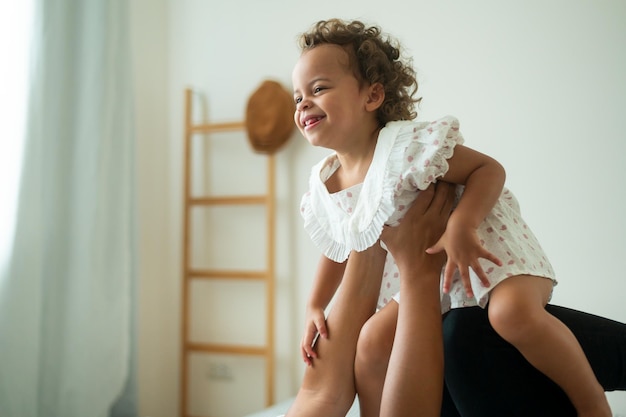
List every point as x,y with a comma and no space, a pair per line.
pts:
486,376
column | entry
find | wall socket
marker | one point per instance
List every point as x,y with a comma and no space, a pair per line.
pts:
219,372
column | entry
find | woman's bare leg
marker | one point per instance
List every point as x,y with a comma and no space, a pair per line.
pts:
517,313
328,386
372,357
406,363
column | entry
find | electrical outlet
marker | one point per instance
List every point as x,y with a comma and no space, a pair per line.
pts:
219,372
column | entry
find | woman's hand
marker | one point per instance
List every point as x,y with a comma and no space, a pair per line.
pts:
421,227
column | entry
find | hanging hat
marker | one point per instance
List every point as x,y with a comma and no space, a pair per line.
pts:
269,117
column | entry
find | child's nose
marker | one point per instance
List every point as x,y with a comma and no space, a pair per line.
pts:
303,104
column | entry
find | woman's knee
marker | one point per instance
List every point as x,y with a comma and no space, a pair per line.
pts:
370,347
375,343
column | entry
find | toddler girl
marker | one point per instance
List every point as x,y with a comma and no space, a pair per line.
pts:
355,95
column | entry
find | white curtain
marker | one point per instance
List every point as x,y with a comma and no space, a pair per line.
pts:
67,294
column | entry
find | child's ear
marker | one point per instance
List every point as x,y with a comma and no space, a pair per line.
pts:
376,97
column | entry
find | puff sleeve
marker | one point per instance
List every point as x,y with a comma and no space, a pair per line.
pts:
425,157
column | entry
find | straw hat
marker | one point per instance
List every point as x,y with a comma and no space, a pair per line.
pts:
269,117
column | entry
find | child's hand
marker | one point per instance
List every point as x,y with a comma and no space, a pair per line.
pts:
463,248
315,324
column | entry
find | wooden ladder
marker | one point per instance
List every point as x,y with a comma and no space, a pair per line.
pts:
189,273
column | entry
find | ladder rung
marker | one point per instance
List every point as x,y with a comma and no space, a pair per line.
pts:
231,274
231,349
232,200
217,127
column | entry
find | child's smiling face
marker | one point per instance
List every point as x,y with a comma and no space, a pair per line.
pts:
330,101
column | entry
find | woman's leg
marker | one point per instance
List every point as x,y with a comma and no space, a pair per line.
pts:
399,360
328,385
486,376
372,360
448,408
603,341
372,357
517,312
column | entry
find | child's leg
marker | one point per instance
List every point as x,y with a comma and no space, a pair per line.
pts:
517,313
604,343
328,386
372,357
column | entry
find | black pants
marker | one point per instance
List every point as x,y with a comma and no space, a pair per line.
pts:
487,377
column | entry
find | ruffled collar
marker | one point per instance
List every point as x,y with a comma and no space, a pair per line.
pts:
333,230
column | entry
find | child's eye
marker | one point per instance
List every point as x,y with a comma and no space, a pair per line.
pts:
297,99
318,89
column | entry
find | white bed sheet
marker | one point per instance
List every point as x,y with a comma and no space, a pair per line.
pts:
281,408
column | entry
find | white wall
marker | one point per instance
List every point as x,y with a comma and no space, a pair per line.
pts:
159,237
538,85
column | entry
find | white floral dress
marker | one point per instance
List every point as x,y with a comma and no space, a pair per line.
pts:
408,157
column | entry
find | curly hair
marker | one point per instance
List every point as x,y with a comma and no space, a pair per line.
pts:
375,58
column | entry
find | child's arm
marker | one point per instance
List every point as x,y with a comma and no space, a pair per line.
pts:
327,279
483,178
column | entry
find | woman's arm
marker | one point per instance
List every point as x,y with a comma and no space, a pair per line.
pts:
414,380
